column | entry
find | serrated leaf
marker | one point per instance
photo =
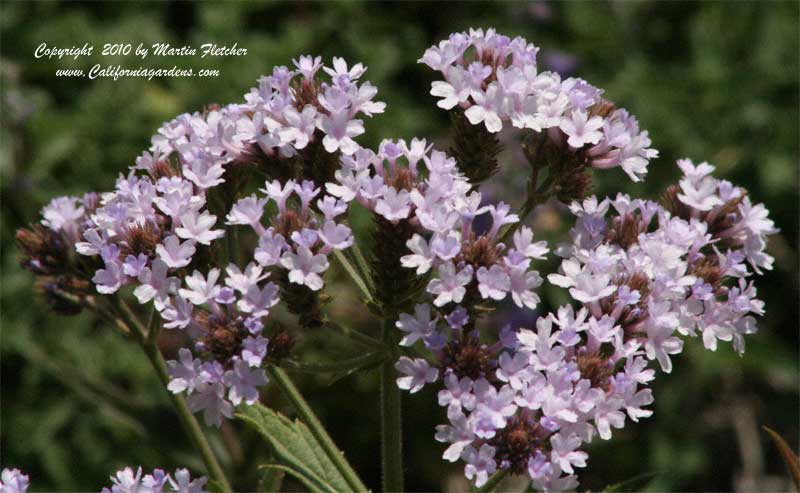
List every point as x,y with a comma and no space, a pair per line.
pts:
295,446
272,479
312,486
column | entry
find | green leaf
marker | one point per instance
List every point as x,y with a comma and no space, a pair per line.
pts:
272,479
298,450
312,486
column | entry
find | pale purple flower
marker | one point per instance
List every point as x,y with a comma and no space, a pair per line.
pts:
487,108
306,237
125,481
62,213
305,267
661,343
93,244
133,266
243,381
197,227
177,313
564,452
109,279
308,65
453,92
155,482
339,132
584,285
421,257
449,286
336,236
13,481
522,284
340,70
182,482
156,285
493,283
457,393
417,373
279,193
459,435
479,463
306,190
446,247
500,216
607,414
258,301
174,253
183,372
204,171
246,211
254,350
394,205
515,370
209,395
523,243
419,326
241,281
270,249
201,289
581,129
331,207
457,318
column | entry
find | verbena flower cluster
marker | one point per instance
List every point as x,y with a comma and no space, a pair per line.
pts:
13,481
123,481
527,400
128,481
156,229
495,80
643,274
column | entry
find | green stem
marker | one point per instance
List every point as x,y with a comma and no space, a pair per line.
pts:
361,263
310,419
492,483
534,198
188,420
355,335
350,364
391,418
362,285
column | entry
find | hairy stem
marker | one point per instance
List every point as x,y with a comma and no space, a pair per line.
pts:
391,418
492,483
310,419
188,420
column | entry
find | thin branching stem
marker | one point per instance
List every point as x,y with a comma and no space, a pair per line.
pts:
310,419
391,419
350,364
187,418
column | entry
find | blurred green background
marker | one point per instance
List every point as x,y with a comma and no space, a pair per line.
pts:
712,81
